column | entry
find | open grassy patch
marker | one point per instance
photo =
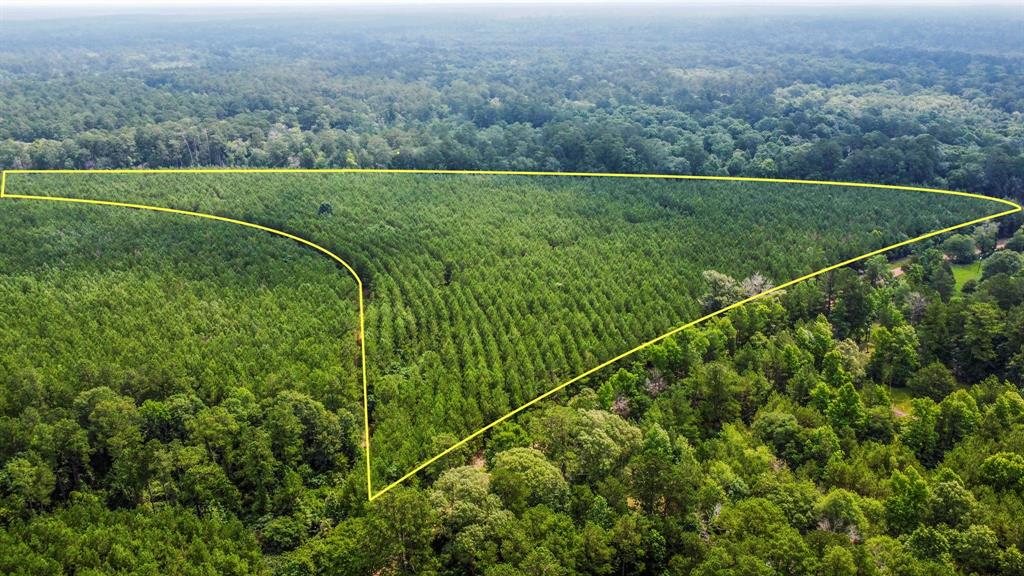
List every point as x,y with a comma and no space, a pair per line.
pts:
964,272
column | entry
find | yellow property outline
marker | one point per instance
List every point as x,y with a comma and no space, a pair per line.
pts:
1014,207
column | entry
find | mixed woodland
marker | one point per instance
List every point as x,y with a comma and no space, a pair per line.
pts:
923,97
184,396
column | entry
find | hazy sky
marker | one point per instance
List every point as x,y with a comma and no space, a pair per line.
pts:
285,3
41,9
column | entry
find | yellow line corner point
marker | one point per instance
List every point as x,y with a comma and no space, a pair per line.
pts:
1014,207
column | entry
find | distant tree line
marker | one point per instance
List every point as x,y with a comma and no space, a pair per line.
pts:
723,103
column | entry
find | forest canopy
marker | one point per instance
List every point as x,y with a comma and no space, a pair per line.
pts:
464,324
180,396
877,96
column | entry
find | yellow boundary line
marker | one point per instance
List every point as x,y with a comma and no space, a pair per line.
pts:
1014,207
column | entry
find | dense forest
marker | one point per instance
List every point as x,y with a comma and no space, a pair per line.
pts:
162,370
181,396
464,324
921,97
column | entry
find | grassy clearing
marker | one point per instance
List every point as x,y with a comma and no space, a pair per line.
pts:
964,272
901,398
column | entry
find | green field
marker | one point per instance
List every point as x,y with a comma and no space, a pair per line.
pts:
481,291
901,398
964,272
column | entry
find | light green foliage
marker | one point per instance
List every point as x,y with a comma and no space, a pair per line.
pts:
928,543
934,381
958,417
960,248
838,561
723,290
523,477
97,540
462,497
1002,262
1004,470
847,409
920,433
27,482
587,445
985,236
977,549
402,524
833,370
982,334
840,511
907,505
950,502
895,357
1016,243
876,270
